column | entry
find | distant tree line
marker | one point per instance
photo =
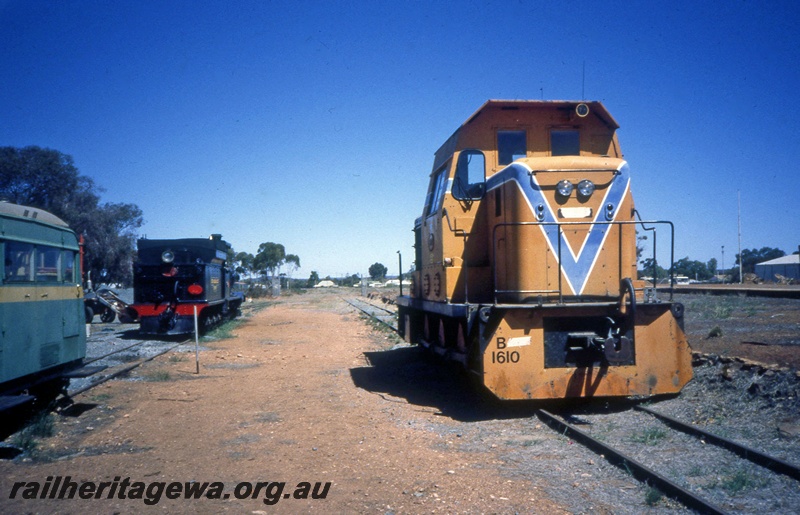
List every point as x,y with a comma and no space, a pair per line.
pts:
704,271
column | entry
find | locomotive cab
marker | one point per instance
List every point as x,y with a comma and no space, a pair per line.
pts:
173,278
526,260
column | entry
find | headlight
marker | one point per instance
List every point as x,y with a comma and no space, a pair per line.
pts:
585,188
564,188
167,256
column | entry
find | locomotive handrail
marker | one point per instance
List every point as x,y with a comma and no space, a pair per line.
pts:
655,263
614,172
456,231
559,225
465,266
571,170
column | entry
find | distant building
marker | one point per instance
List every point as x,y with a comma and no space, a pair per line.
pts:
787,266
325,284
396,282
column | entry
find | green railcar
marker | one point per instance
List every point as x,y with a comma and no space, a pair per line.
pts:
42,331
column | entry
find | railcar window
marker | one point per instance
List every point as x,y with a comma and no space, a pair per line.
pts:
565,143
48,262
511,145
68,263
470,176
436,193
18,262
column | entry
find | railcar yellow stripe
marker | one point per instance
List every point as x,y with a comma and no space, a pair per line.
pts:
30,293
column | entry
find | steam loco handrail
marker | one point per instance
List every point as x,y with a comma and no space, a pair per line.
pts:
591,223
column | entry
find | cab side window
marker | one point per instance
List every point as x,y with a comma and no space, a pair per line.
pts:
437,190
511,145
470,178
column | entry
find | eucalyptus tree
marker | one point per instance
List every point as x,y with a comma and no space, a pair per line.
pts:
49,180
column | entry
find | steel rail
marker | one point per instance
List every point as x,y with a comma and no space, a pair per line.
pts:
765,460
636,469
98,358
371,315
122,371
389,311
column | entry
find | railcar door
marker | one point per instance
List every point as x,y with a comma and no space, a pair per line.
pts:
74,318
58,306
48,304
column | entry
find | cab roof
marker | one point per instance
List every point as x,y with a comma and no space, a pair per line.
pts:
595,107
596,110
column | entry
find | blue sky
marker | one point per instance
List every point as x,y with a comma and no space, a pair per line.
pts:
313,124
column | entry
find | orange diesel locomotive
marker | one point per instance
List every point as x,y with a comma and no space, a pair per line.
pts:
525,265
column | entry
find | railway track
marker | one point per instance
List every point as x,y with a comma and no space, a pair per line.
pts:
102,349
384,316
671,463
94,359
699,469
121,369
100,365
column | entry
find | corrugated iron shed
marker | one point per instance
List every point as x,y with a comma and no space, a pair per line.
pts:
786,266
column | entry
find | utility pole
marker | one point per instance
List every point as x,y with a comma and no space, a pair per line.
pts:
400,258
741,279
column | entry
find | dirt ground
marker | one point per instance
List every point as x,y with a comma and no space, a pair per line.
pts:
277,403
761,329
307,391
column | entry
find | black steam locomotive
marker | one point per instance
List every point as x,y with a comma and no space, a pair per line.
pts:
173,278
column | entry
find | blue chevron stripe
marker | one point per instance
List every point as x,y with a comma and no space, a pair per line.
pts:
577,267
